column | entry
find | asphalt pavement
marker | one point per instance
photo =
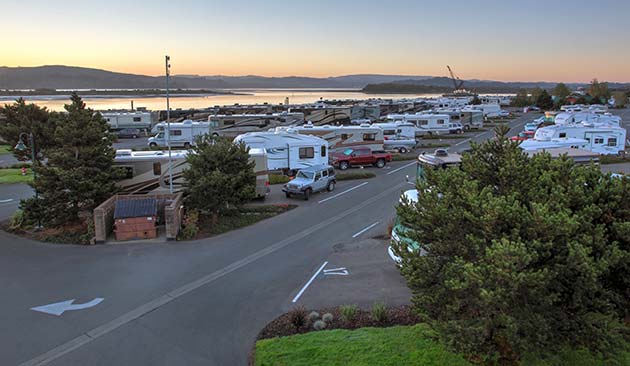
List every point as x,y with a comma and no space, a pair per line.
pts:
201,302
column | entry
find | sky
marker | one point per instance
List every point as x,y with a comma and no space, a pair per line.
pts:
532,40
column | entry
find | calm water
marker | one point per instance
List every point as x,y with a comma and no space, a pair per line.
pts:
274,96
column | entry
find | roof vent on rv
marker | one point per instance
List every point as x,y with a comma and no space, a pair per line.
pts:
441,152
123,152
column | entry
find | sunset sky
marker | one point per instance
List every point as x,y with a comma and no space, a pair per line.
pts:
531,40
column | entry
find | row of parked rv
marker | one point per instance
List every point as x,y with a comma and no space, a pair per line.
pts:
594,130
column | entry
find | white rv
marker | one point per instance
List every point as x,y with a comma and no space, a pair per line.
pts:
181,134
120,120
426,124
236,124
397,130
602,139
567,118
343,137
287,151
148,171
471,118
489,110
324,114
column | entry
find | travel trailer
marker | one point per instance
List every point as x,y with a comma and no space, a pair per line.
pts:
602,139
148,171
287,151
182,134
235,124
502,100
426,124
343,137
397,130
489,110
121,120
324,114
449,102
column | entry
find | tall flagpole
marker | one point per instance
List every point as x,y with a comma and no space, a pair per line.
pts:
168,126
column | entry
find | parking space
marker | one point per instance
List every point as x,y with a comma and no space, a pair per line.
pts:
356,272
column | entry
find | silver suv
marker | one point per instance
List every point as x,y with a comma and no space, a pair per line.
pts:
310,180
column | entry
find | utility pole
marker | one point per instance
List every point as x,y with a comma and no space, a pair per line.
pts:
168,126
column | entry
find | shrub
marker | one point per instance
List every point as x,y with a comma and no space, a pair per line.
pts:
328,317
190,226
379,312
278,179
313,315
17,220
319,325
349,312
297,317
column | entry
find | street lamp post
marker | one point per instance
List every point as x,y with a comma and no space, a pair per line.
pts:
168,125
21,147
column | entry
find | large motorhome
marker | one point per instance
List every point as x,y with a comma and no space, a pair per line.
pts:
489,110
467,118
181,134
237,124
121,120
324,114
148,171
397,130
426,124
343,137
599,138
287,151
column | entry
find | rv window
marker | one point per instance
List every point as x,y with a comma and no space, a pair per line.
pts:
307,153
137,119
157,169
599,140
440,121
228,122
563,134
612,141
176,132
344,136
369,137
389,132
323,151
423,122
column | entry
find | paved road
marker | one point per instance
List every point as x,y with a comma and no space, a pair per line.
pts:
199,302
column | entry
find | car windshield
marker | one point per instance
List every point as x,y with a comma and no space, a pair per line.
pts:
348,152
306,175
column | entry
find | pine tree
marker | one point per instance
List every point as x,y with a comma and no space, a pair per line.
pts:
221,175
79,173
522,254
561,91
21,118
544,100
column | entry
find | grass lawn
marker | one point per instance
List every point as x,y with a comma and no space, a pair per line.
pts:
4,149
366,346
245,216
8,176
402,345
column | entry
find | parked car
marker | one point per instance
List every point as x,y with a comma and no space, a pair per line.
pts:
310,180
522,136
360,157
531,127
455,128
533,109
128,133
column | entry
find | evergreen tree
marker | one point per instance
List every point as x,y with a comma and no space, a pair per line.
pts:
21,118
79,173
544,101
475,100
221,175
599,90
521,99
561,91
521,254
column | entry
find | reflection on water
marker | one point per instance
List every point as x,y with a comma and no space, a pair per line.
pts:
185,102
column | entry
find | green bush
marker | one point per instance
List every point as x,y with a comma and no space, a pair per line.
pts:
190,226
17,220
355,175
319,325
297,316
278,179
379,312
613,159
406,157
349,312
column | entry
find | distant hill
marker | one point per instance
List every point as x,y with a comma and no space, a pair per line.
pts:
444,84
70,77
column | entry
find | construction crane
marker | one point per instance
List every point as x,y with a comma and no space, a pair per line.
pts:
457,82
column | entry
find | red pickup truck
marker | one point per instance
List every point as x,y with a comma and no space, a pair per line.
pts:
359,157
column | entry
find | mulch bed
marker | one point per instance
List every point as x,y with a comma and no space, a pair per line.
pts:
282,325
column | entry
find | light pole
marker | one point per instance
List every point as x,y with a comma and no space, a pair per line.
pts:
21,147
167,63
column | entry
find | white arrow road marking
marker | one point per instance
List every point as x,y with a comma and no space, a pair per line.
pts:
342,271
59,308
